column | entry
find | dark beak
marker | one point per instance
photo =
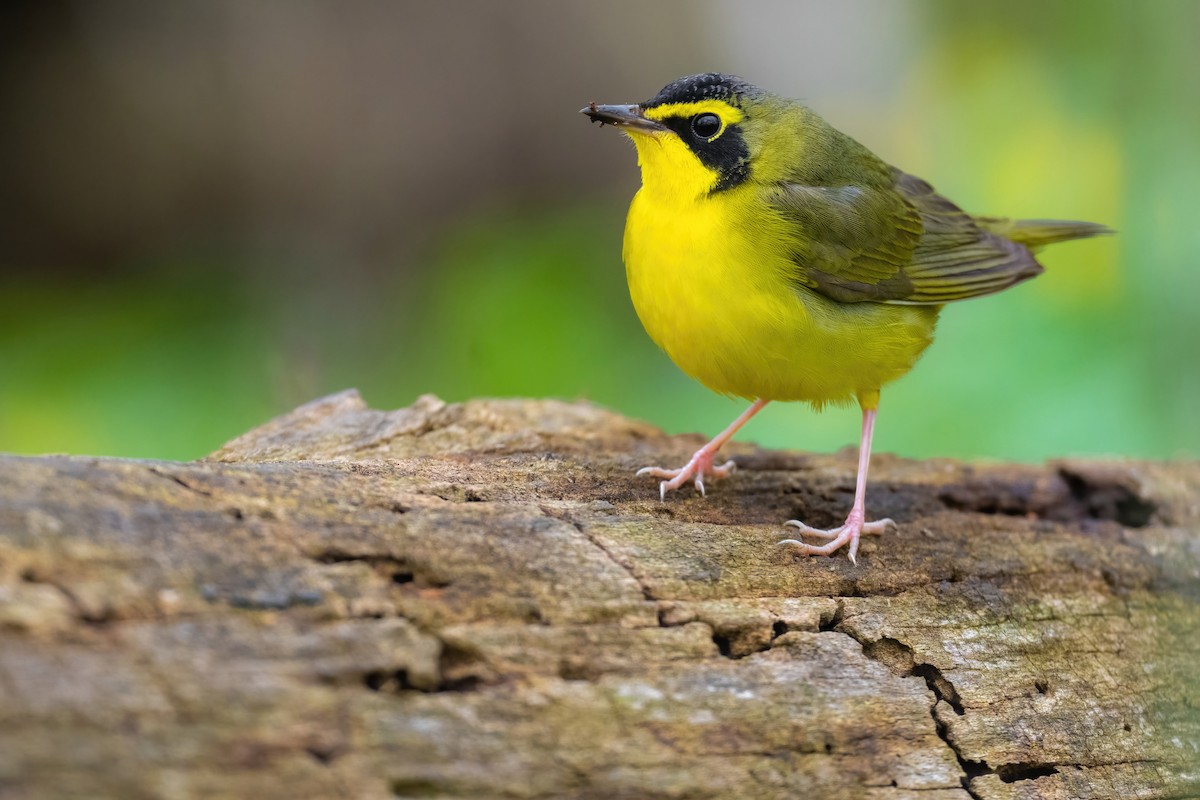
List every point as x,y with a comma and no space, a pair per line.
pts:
622,116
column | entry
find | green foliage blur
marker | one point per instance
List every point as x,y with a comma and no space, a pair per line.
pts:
1078,110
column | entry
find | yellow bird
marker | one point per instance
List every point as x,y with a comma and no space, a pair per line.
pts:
775,258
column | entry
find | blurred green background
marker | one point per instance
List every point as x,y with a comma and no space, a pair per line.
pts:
211,212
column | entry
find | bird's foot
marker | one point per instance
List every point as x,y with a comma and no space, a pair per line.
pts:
700,467
847,534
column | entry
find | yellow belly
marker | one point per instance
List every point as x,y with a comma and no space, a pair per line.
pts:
709,281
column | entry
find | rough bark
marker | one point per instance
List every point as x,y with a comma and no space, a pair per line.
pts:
480,600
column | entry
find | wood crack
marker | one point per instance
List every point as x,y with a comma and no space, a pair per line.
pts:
579,526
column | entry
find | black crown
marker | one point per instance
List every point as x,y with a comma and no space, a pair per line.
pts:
705,86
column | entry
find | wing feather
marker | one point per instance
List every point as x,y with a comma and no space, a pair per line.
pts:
898,243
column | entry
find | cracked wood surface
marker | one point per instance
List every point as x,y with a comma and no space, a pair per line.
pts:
479,600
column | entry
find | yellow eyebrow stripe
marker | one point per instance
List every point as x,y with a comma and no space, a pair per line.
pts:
730,115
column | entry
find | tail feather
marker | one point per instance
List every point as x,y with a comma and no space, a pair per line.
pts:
1035,233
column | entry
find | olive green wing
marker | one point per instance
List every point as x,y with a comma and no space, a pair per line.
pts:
898,243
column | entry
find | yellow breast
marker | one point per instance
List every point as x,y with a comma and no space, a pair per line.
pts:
709,278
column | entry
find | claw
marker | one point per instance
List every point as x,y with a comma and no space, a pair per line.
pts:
846,534
701,464
696,471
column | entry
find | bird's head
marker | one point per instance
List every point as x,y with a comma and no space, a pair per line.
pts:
698,135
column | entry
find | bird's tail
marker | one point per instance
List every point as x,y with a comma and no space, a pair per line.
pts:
1035,233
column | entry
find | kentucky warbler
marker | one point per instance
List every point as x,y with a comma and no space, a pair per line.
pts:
775,258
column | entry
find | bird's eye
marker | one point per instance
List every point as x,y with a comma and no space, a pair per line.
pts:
706,125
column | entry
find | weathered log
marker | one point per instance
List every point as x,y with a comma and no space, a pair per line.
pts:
480,600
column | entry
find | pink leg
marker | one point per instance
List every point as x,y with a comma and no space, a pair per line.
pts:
856,523
701,464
